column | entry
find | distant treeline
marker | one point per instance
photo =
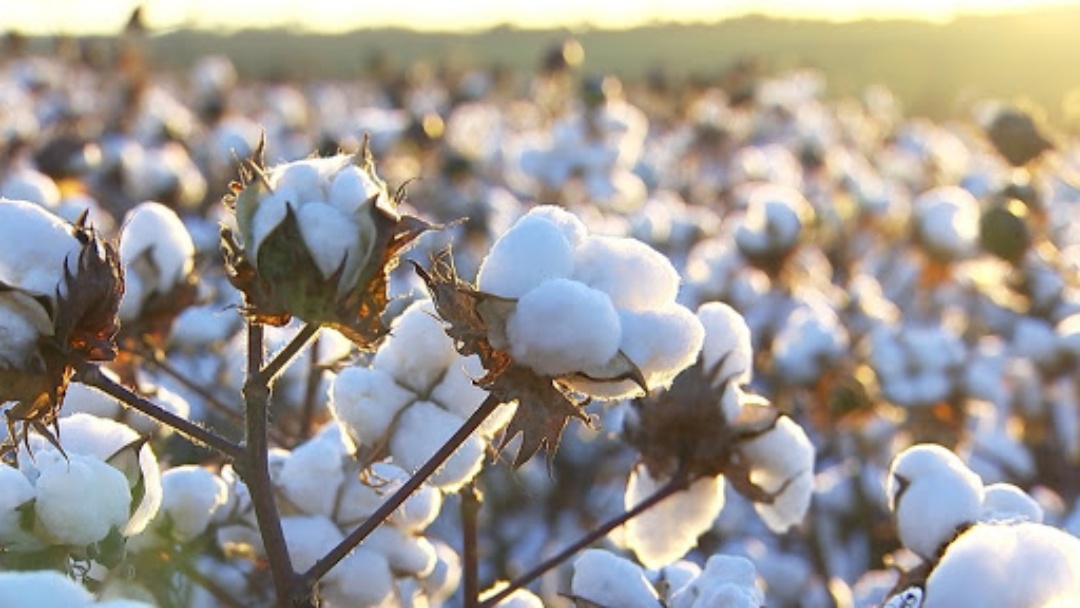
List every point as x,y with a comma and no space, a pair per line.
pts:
936,70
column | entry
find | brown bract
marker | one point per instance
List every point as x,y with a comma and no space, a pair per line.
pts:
545,405
85,324
683,431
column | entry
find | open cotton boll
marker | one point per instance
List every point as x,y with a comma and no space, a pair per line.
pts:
419,510
34,245
773,221
42,588
309,538
947,221
444,578
609,580
313,472
727,339
362,578
459,394
80,499
782,458
334,240
562,327
421,431
307,178
534,250
1024,565
931,493
661,343
726,582
366,400
1008,503
669,530
80,398
674,577
155,230
407,554
634,275
25,183
417,352
272,210
191,497
572,228
807,344
351,188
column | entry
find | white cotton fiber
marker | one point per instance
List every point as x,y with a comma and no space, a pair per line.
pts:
362,578
313,472
669,530
534,250
634,275
609,580
418,351
309,538
782,458
79,499
422,430
191,497
365,400
661,343
727,339
726,582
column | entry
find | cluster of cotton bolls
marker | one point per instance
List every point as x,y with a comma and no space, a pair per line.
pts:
901,280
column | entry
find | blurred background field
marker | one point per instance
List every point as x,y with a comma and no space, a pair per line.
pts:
935,69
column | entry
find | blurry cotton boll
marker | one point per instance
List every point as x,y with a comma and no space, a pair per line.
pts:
313,471
157,253
366,401
770,164
309,537
25,183
191,497
1007,503
932,494
166,173
947,222
773,225
726,581
80,499
781,462
809,343
51,588
362,578
606,579
520,598
728,344
669,530
1022,565
422,429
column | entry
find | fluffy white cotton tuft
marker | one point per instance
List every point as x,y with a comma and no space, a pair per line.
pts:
41,588
782,461
365,400
422,430
534,250
313,472
79,499
418,351
609,580
727,343
191,496
726,582
635,276
1023,565
669,530
931,493
309,538
363,578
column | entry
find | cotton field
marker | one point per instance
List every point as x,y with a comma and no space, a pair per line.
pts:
554,339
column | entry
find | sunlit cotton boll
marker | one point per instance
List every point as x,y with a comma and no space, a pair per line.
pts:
407,554
42,588
563,326
421,430
1008,503
727,341
669,530
726,582
932,493
782,462
191,496
362,578
1023,565
313,472
418,351
534,250
157,253
309,538
366,400
635,276
78,500
15,491
947,221
606,579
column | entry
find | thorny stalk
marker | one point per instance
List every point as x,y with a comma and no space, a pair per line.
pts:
679,482
255,469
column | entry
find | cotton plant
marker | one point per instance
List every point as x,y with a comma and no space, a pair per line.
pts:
707,431
967,534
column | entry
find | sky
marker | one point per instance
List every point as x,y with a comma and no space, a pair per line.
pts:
108,16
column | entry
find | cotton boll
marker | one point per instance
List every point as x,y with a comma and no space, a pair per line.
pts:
534,250
419,510
635,276
334,240
272,210
773,222
609,580
572,228
309,538
931,494
422,430
313,472
155,230
562,327
305,178
459,394
727,339
170,402
782,458
726,582
1024,565
444,578
947,221
366,400
34,245
361,578
661,343
40,588
418,351
674,577
191,496
407,554
669,530
351,188
810,340
1006,502
79,500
